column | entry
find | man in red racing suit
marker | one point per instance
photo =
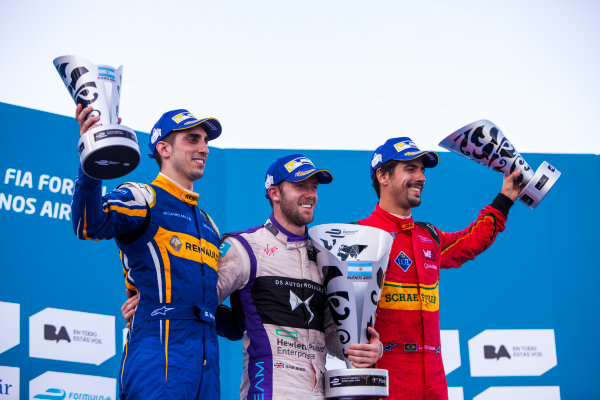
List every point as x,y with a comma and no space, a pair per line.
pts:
408,311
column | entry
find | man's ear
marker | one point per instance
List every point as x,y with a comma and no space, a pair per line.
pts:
274,193
382,177
164,149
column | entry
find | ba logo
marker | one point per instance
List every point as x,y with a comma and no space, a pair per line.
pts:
489,352
50,333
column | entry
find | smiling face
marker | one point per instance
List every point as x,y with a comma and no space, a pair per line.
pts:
402,187
294,203
184,160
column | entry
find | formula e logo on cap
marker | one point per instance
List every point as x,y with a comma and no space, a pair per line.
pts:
182,117
156,132
269,181
175,243
377,158
297,162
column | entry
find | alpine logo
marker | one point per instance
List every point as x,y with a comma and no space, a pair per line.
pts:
161,311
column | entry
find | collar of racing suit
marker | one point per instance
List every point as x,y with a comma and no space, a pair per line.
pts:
167,184
391,221
292,240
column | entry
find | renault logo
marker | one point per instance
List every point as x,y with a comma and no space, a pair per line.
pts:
175,243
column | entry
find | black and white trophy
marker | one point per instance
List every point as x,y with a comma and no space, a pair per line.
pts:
354,259
484,143
110,150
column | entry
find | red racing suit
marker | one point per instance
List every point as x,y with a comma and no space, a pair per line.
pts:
408,311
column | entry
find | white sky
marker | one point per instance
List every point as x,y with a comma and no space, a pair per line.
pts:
324,74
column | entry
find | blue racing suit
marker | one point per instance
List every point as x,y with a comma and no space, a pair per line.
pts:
169,251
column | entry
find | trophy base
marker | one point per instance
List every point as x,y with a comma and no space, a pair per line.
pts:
545,177
109,151
356,383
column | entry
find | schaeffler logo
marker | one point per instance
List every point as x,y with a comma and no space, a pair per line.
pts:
72,336
512,352
58,386
175,243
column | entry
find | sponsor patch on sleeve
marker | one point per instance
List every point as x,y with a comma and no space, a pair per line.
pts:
224,248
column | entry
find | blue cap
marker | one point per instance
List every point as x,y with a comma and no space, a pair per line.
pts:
294,168
178,120
402,149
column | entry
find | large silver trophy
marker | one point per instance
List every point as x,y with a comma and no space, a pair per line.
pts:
484,143
110,150
354,259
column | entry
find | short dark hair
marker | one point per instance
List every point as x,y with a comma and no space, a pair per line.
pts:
386,168
170,138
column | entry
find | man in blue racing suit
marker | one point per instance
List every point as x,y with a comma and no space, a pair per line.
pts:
169,251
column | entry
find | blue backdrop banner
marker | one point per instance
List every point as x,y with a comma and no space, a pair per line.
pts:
511,318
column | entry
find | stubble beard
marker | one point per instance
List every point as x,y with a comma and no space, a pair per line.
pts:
293,214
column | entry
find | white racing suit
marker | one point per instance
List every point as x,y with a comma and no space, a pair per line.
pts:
272,273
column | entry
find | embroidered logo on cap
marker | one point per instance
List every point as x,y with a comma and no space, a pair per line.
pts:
406,143
269,181
376,159
182,117
297,162
156,132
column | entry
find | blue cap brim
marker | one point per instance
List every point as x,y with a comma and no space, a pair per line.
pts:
323,176
430,158
212,126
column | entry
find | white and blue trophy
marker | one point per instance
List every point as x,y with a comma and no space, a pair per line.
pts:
354,259
110,150
483,142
